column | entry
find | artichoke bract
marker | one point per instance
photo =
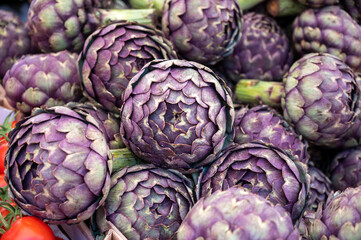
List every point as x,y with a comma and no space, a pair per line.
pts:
237,214
318,3
263,123
43,80
114,54
321,99
344,170
146,202
264,170
58,165
202,31
320,188
177,114
14,40
263,52
329,30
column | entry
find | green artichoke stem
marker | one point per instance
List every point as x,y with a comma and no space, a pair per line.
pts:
101,17
251,91
283,8
247,4
122,157
143,4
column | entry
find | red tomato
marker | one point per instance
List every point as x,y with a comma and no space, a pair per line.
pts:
3,147
29,228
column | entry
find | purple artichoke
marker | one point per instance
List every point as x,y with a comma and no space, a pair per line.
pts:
43,80
177,114
58,165
263,52
202,31
265,170
146,202
265,124
329,30
320,188
236,214
353,7
14,40
321,99
114,54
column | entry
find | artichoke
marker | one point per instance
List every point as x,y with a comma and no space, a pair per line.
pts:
64,25
43,80
321,99
202,31
320,188
146,202
263,52
236,214
114,54
318,3
58,165
177,114
329,30
264,169
345,169
353,7
265,124
14,40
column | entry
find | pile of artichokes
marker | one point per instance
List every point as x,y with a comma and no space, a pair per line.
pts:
187,119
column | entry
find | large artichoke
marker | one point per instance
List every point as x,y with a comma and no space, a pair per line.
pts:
320,188
263,52
321,99
236,214
265,124
318,3
58,165
114,54
146,202
203,31
14,40
265,170
329,30
43,80
177,114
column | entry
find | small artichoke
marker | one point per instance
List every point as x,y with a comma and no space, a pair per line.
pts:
43,80
265,124
202,31
58,165
264,170
114,54
318,3
177,114
14,40
263,52
321,99
329,30
345,169
237,214
320,188
146,202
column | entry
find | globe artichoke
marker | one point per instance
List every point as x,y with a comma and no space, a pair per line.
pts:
265,170
340,218
64,25
236,214
345,169
353,7
146,202
318,3
320,188
114,54
263,52
177,114
14,40
330,30
265,124
202,31
321,99
58,165
43,80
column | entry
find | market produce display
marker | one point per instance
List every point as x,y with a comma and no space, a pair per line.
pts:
180,119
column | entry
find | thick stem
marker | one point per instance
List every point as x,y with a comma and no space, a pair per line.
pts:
247,4
141,4
123,158
104,16
250,91
283,8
